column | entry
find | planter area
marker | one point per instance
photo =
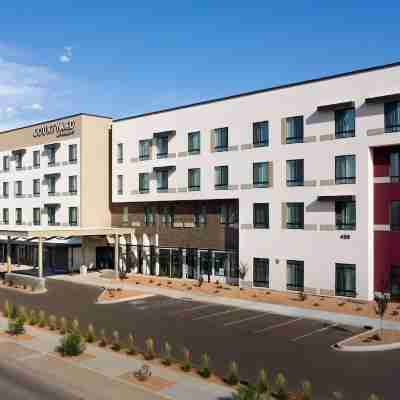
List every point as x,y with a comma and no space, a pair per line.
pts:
25,283
112,295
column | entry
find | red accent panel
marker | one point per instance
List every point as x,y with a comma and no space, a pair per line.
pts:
384,194
381,161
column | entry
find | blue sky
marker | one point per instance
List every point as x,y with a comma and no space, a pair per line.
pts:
119,58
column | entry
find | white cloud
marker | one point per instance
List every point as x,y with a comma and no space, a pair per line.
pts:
66,57
34,107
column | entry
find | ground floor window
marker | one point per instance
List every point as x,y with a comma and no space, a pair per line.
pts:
295,275
345,280
395,280
191,261
261,272
220,264
164,262
205,263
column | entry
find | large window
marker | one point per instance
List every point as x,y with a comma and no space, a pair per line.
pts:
295,216
18,189
221,177
345,215
18,216
220,139
120,184
73,184
162,180
73,216
261,215
228,214
220,264
36,159
260,134
6,163
167,215
199,214
5,189
295,129
345,280
194,179
162,146
395,215
295,275
120,152
148,216
6,216
144,149
51,184
345,169
36,187
36,216
395,166
194,142
261,272
345,123
392,117
73,153
295,172
260,174
51,215
205,263
144,182
18,159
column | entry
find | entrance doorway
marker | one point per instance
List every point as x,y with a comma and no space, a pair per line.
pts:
105,257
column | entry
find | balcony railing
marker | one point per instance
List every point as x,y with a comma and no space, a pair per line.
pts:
345,134
345,180
295,225
295,182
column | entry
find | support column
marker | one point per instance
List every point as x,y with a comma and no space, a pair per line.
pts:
40,257
8,254
116,255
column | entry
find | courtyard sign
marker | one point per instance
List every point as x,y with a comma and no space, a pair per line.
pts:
60,128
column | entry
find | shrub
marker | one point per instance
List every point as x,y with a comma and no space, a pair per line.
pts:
245,392
71,345
233,374
32,318
281,391
116,343
52,322
6,309
103,338
75,327
16,326
22,313
63,326
263,382
186,362
167,359
90,335
306,392
205,370
42,319
149,353
131,345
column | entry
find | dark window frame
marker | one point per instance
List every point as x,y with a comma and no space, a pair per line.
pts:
389,127
194,150
73,221
142,176
257,126
341,134
222,185
344,180
299,138
298,266
191,187
73,153
342,291
36,221
340,225
221,131
261,224
263,263
260,183
298,181
144,144
295,224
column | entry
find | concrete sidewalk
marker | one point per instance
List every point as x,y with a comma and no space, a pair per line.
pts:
94,279
103,373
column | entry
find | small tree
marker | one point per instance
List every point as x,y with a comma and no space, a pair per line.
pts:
75,327
205,370
232,377
306,392
63,326
42,319
32,319
243,268
103,338
263,382
382,301
22,314
52,322
116,343
131,345
90,335
167,358
186,362
150,353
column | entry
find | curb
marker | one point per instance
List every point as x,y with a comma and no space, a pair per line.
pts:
127,299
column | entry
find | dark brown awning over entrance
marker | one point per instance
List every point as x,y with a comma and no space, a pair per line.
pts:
336,106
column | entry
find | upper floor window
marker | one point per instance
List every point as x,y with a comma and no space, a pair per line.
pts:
148,216
51,215
18,216
144,149
36,216
18,159
73,216
6,163
295,275
345,215
295,216
220,139
144,182
120,152
261,215
167,215
295,129
260,134
36,159
395,166
221,177
345,123
18,188
194,142
36,187
73,153
392,117
6,216
260,174
51,184
295,172
73,184
162,179
194,179
199,214
228,214
162,146
5,189
120,184
345,169
51,153
395,215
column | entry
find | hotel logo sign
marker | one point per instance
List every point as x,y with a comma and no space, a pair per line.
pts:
59,129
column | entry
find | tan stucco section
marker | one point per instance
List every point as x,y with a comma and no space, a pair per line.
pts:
94,181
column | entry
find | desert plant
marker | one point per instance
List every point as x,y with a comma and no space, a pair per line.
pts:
306,392
186,362
6,309
71,345
281,391
90,334
52,322
103,338
233,374
116,343
382,301
42,319
245,392
131,345
63,325
263,385
150,353
205,370
16,326
32,318
75,327
167,358
22,313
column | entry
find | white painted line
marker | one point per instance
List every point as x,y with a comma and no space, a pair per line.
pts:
194,308
239,321
217,314
313,332
269,328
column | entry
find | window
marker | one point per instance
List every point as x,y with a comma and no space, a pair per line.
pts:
18,159
73,216
260,134
295,216
73,153
194,179
221,177
199,215
345,280
148,216
5,189
294,129
194,142
120,152
18,188
295,275
392,117
144,182
36,159
144,149
6,163
51,184
73,184
51,153
6,219
345,123
120,184
395,280
261,215
395,167
18,216
395,215
36,187
220,264
167,215
36,216
260,174
345,169
125,215
205,263
220,139
295,172
162,146
162,180
51,215
261,272
228,214
345,215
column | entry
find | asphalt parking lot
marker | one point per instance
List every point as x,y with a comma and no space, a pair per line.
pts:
298,347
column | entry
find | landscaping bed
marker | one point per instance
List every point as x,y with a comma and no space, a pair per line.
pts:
374,338
113,295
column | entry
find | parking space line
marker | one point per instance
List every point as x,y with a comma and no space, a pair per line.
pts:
269,328
217,314
313,332
239,321
195,308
